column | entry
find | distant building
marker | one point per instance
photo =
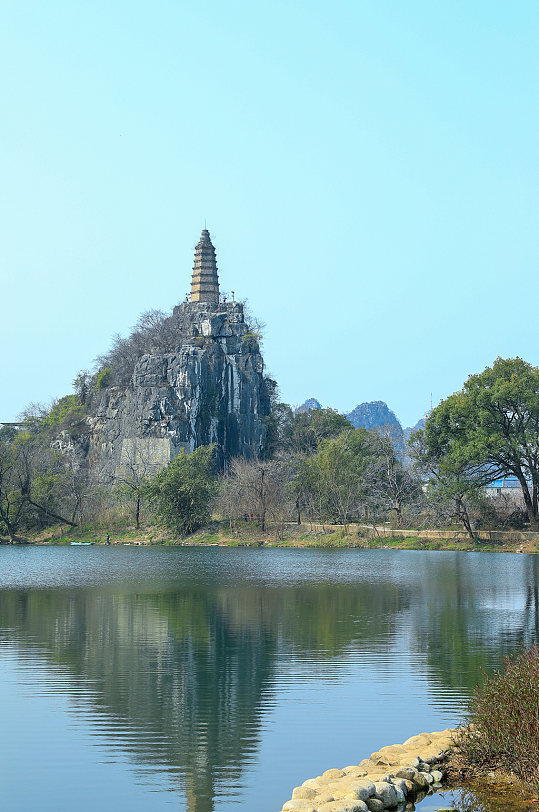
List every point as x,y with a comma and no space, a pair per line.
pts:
507,489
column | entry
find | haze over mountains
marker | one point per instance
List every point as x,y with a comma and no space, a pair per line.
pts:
374,416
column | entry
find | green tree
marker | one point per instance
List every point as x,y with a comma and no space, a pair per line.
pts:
331,481
453,480
489,429
305,431
180,495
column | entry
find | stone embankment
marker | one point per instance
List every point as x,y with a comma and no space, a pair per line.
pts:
393,778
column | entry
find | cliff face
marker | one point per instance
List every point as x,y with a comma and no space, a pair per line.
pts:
209,388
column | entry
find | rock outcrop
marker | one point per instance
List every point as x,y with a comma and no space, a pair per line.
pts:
209,388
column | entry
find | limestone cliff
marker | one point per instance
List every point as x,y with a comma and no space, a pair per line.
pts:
209,388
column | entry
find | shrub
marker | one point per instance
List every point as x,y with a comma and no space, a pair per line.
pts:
180,494
103,379
65,411
503,719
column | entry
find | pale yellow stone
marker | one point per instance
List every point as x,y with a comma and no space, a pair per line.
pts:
331,775
420,740
305,793
314,783
388,755
299,806
357,772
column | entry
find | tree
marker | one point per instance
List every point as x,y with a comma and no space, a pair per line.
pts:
12,501
332,480
180,494
452,478
132,477
490,429
389,484
255,487
303,432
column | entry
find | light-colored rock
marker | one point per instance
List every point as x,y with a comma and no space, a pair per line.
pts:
312,782
305,793
388,755
331,775
299,806
344,806
386,793
420,741
372,786
361,791
375,805
407,773
355,772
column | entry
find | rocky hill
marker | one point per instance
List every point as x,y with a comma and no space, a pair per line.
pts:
209,387
308,406
377,416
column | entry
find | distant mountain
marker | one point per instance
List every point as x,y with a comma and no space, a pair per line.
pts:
419,425
308,406
377,416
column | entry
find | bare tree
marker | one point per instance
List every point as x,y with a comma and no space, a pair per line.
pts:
136,467
387,483
256,487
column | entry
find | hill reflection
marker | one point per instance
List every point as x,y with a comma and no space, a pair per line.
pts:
184,674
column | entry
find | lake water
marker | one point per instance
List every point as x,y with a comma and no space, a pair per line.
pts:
218,679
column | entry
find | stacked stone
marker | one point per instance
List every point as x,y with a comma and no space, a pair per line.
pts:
393,778
205,281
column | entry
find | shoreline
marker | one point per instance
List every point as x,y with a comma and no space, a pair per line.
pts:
392,776
407,773
294,536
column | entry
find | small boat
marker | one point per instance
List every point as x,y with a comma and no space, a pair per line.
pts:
80,543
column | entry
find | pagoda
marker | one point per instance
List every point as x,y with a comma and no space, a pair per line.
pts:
205,281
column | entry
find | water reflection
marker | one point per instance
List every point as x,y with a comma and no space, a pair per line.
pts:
180,667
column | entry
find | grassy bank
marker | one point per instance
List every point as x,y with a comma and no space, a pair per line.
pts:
220,533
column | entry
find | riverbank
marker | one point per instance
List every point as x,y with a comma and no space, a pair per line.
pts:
307,535
392,776
407,773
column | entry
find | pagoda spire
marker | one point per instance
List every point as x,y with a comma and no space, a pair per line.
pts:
205,281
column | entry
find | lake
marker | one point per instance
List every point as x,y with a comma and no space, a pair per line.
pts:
218,679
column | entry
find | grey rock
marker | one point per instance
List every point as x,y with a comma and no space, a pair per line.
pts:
407,773
386,793
420,780
400,784
209,387
375,805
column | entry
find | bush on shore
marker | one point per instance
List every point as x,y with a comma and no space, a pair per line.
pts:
503,720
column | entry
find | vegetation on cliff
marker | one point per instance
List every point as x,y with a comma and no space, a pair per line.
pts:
314,466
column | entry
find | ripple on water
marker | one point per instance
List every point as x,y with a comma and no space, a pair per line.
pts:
219,679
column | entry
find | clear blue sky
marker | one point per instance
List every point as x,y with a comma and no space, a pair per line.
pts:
368,171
